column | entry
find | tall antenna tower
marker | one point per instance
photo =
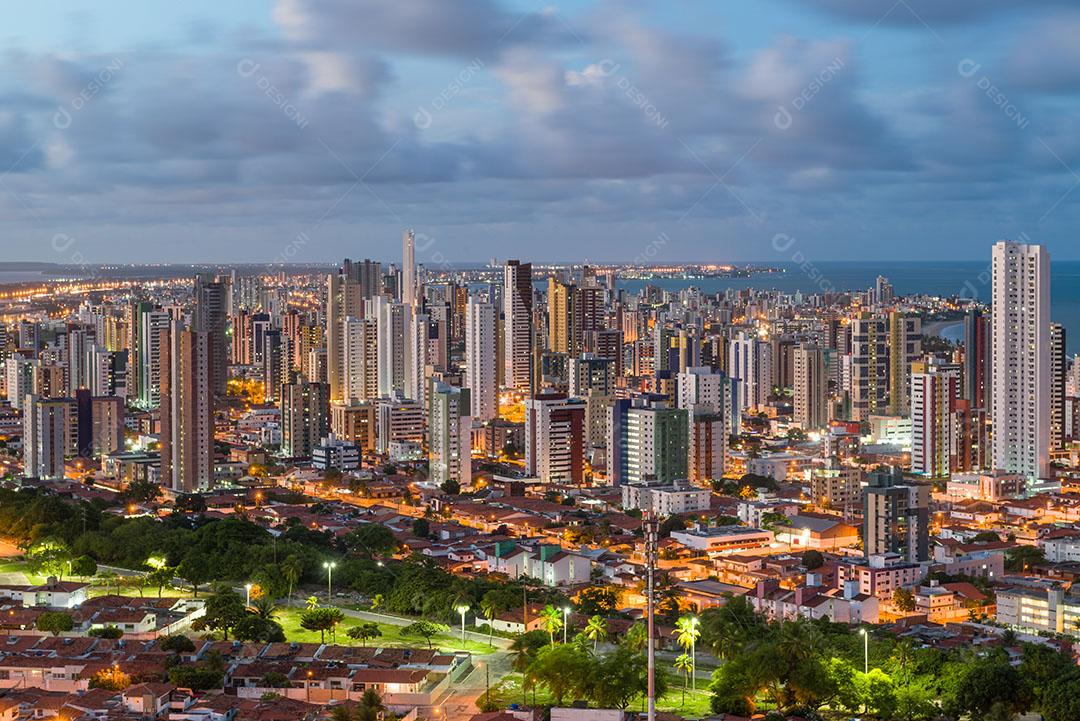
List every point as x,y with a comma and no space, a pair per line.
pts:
650,525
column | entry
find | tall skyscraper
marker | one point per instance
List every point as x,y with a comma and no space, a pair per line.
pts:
977,359
811,386
361,360
151,324
750,368
481,376
305,417
393,325
905,347
408,269
935,425
555,438
187,415
211,304
45,437
1059,364
517,325
450,428
1021,359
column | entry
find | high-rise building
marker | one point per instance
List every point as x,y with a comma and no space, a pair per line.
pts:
481,374
360,361
649,443
750,368
187,414
517,325
977,359
905,347
896,517
707,445
555,438
305,417
935,426
107,425
408,269
398,420
210,314
393,326
450,429
151,324
1021,408
45,437
20,380
811,387
1059,364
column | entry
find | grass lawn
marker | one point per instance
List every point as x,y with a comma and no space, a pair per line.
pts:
289,618
697,702
22,567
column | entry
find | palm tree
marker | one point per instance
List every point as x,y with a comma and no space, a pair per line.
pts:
687,632
636,638
553,621
291,570
596,631
265,608
685,664
489,606
312,602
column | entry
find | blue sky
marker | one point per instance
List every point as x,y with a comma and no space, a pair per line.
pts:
251,130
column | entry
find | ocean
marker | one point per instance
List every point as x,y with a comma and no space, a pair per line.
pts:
967,279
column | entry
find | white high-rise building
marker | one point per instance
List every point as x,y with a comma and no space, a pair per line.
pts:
1021,359
481,376
20,380
392,321
361,359
700,390
750,367
408,269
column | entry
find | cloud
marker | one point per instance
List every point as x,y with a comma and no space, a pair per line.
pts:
924,12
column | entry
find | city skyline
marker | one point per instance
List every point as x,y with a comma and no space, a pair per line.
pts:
496,123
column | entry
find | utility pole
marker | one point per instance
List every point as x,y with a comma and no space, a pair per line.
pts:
650,526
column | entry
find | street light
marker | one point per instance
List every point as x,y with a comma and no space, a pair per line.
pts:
463,610
329,566
565,621
247,590
866,650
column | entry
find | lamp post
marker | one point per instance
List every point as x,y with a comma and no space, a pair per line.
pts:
329,566
247,591
866,650
693,652
565,621
463,610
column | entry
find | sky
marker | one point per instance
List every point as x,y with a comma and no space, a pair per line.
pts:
587,130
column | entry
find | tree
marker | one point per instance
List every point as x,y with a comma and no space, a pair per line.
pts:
253,627
291,570
177,643
684,664
364,632
1061,699
989,681
728,629
55,622
161,576
812,560
490,605
621,676
371,540
51,557
1021,558
904,600
426,630
636,638
687,632
84,566
141,492
224,609
598,600
195,569
110,678
264,607
596,631
322,620
553,621
421,528
109,632
450,487
563,669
